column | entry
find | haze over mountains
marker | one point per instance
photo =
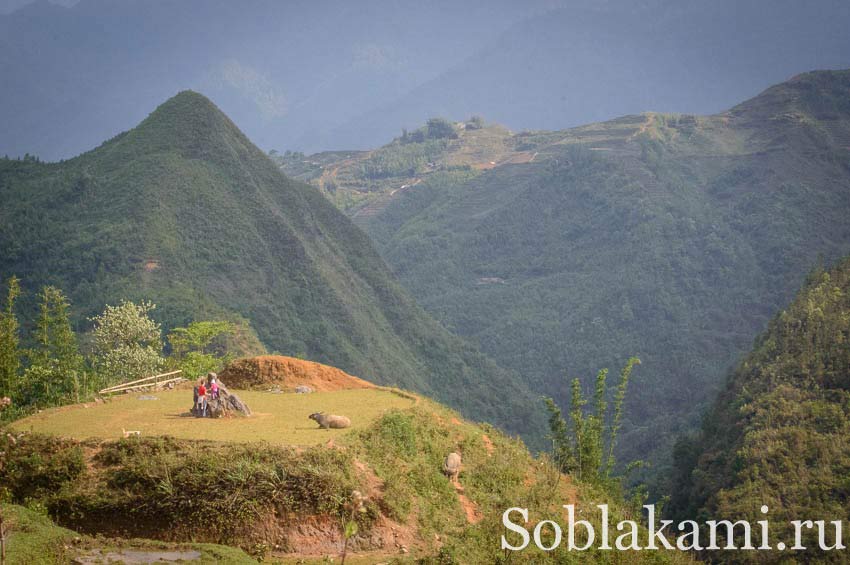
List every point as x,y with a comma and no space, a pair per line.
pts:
185,211
673,237
323,75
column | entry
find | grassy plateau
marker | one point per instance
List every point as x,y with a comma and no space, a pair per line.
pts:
279,419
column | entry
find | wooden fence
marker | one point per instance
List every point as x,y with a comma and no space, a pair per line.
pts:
146,382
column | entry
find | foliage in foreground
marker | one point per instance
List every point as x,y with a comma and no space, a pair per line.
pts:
406,450
585,447
33,539
176,490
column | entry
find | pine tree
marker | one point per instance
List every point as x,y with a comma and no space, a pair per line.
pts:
56,366
10,354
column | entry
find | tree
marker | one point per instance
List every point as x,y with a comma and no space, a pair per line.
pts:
619,400
127,342
439,128
594,428
578,448
56,370
194,348
562,453
10,355
578,426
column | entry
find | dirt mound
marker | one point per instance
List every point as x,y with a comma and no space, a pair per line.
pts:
287,372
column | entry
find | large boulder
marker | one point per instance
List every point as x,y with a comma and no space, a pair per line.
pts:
227,402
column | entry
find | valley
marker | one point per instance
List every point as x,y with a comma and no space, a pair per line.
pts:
675,237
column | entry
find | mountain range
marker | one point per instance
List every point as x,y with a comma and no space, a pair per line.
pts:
674,237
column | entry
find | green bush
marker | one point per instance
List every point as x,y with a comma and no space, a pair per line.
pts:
37,466
399,159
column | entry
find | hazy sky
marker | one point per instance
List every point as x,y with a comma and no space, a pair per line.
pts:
314,75
8,6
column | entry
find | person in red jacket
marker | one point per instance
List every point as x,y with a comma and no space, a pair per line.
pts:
202,399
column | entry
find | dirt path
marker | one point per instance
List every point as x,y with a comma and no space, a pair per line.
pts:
406,186
488,444
473,514
374,486
318,537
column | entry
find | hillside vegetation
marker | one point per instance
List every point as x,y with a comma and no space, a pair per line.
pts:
33,539
183,210
779,433
286,503
674,237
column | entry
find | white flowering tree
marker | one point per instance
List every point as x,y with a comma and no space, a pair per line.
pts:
127,342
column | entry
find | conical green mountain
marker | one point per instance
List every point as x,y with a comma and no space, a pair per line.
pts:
779,433
185,211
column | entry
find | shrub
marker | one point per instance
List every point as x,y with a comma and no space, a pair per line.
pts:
37,466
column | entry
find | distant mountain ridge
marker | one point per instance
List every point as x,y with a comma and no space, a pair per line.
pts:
184,210
329,74
671,236
584,62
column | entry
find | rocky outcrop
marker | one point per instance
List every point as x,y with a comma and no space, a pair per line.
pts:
225,404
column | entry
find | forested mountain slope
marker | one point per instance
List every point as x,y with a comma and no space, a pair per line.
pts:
674,237
185,211
779,433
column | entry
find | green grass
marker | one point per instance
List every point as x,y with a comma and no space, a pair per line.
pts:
33,539
278,419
